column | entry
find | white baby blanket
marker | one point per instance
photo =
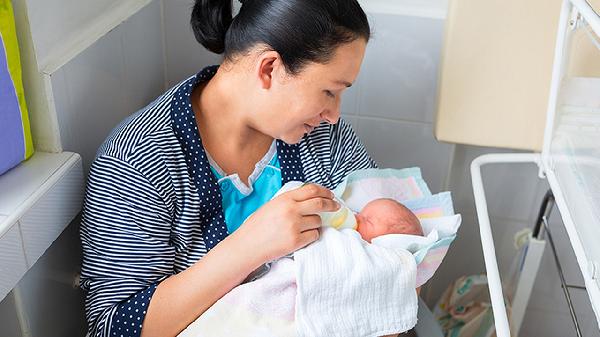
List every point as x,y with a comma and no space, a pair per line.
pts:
262,308
341,285
428,250
348,287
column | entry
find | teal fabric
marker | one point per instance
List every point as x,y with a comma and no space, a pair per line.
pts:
236,205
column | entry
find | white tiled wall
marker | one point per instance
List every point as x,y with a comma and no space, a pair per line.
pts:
119,74
399,75
47,34
185,56
392,104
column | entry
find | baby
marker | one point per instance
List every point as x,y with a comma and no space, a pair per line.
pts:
386,216
378,217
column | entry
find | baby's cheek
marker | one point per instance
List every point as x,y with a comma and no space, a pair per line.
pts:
365,233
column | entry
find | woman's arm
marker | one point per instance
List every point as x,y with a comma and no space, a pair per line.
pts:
129,259
125,236
181,298
283,225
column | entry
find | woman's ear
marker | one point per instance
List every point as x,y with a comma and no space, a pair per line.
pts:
269,68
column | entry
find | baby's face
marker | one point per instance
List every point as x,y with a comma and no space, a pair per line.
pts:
386,216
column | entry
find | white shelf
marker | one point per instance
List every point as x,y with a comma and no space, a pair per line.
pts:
38,199
25,184
20,183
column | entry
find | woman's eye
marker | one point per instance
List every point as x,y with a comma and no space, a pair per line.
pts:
330,93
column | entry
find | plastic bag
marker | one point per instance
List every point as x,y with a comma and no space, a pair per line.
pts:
464,309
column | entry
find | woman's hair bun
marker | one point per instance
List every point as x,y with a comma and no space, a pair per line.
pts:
210,21
301,31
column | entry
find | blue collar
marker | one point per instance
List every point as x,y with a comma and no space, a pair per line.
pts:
185,127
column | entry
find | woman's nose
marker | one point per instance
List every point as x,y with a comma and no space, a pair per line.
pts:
332,114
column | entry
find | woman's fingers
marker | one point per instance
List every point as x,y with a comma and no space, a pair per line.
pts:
317,205
310,222
308,237
310,191
313,199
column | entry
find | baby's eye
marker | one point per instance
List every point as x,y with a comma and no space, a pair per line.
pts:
329,93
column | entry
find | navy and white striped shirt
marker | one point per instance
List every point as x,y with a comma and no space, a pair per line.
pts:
153,207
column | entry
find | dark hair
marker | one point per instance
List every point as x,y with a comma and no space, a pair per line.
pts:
301,31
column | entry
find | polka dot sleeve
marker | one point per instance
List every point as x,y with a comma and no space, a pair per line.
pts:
129,316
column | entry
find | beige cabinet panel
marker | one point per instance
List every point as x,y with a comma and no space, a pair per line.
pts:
496,71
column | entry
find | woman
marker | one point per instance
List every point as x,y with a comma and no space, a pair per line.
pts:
177,209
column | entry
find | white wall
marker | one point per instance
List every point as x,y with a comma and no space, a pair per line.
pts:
392,104
119,74
54,21
184,55
61,29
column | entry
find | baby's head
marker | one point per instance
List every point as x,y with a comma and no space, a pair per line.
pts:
386,216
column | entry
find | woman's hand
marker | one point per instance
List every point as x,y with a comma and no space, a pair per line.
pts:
279,227
286,223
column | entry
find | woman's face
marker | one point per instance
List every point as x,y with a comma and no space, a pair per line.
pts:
294,105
